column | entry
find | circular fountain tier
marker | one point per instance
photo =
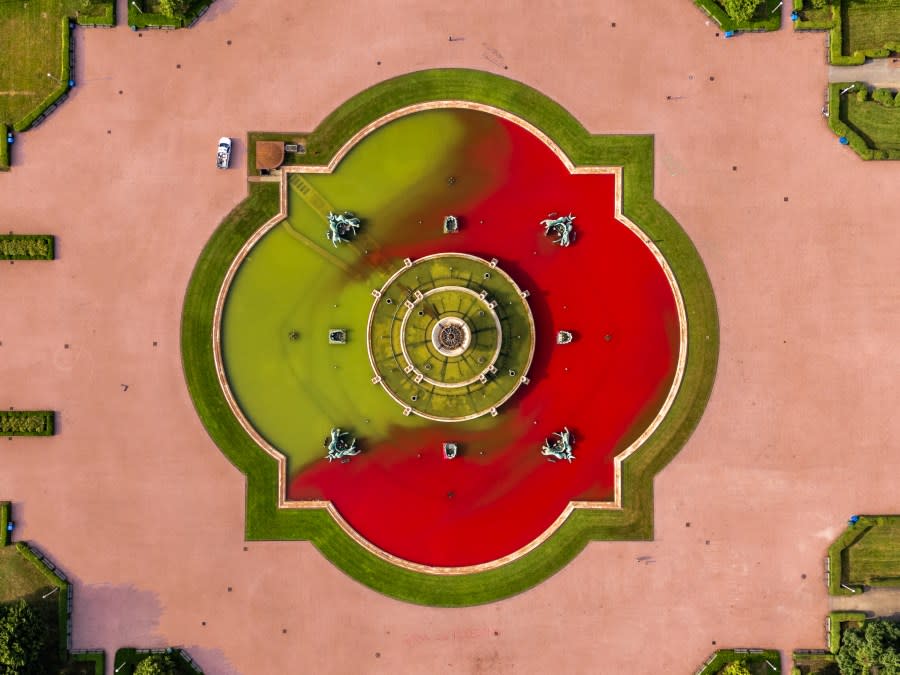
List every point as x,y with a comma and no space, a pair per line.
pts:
450,337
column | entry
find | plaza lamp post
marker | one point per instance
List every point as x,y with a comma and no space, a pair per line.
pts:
135,5
54,78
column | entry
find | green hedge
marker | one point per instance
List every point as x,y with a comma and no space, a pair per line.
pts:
26,422
264,521
61,90
838,619
836,41
765,18
723,657
27,246
4,148
4,521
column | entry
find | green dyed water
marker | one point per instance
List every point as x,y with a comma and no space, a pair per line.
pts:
295,284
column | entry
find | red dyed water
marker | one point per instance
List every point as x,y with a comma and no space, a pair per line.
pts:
606,386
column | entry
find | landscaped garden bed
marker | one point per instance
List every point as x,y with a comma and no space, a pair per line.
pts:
766,17
869,120
127,660
143,14
756,661
858,29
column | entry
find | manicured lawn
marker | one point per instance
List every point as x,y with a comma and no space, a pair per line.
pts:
874,559
32,39
634,521
878,124
870,24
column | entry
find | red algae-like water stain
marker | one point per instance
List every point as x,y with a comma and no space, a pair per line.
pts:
607,288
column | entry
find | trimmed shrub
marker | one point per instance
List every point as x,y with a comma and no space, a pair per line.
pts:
884,97
761,18
26,422
4,520
27,246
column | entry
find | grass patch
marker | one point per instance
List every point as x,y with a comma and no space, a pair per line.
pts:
872,128
26,246
755,660
35,39
634,521
766,18
26,422
5,148
128,658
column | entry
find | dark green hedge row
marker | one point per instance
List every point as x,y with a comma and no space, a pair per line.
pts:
4,148
4,519
765,19
886,97
64,77
26,422
839,125
723,657
27,246
837,621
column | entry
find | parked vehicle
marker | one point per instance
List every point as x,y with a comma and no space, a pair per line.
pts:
223,156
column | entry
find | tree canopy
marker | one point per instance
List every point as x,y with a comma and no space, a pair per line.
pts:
873,649
173,8
740,10
21,639
158,664
735,668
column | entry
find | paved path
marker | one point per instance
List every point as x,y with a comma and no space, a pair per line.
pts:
878,601
879,72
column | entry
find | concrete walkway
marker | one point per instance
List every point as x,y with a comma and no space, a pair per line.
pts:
880,602
878,72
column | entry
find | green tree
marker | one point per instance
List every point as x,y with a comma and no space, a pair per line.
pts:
735,668
873,649
158,664
21,639
173,8
740,10
819,4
